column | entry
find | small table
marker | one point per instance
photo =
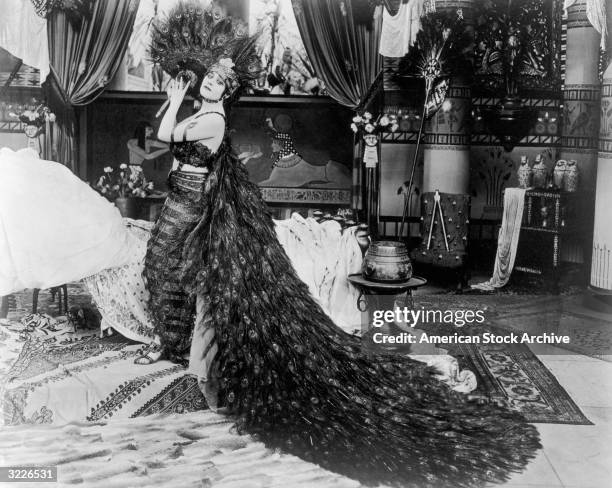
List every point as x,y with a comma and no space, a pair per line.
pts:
383,295
551,218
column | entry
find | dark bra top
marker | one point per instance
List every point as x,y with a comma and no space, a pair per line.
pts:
193,152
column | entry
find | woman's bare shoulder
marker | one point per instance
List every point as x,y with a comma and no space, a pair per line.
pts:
207,118
207,125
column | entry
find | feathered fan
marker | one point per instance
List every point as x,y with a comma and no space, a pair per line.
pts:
192,38
437,54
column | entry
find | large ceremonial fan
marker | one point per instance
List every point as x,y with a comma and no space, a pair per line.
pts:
437,55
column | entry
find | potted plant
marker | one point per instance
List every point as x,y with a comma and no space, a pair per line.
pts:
126,187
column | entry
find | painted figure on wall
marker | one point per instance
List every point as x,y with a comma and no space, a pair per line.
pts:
143,146
291,170
578,118
307,147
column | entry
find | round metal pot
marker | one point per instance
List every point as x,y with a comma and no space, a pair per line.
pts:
387,261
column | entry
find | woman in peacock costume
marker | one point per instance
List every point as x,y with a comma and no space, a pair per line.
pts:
261,345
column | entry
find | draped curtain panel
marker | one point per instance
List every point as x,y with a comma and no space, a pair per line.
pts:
83,62
343,50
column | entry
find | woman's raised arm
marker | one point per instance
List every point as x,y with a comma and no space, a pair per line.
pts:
176,94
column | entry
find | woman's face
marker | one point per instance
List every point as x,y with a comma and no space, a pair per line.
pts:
276,147
213,86
148,131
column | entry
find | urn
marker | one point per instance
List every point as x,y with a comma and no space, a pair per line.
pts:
559,173
539,173
387,261
571,177
525,173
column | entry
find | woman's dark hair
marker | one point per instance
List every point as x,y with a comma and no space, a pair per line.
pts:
140,133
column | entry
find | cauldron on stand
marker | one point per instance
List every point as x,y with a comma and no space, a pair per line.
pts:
387,262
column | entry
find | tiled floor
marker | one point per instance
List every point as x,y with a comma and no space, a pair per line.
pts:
573,456
576,456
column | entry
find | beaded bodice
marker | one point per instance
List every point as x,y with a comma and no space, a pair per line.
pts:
194,152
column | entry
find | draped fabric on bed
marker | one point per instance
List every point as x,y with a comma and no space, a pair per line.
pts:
81,66
342,45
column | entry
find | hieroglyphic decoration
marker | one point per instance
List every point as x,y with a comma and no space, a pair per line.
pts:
581,105
605,127
306,195
545,132
451,124
448,147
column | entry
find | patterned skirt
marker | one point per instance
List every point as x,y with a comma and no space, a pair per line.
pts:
171,310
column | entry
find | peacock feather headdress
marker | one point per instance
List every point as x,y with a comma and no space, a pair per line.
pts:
192,39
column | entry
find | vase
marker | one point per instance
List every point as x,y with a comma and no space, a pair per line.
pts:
539,173
525,173
387,261
571,177
559,173
130,207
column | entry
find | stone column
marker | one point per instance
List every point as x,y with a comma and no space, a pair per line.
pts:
446,154
581,119
601,260
581,94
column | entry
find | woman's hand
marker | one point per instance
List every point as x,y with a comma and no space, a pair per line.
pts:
176,91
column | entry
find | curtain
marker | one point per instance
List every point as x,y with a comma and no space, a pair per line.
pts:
83,61
342,46
343,52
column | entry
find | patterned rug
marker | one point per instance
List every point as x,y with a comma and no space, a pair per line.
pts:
40,364
43,361
519,377
39,371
